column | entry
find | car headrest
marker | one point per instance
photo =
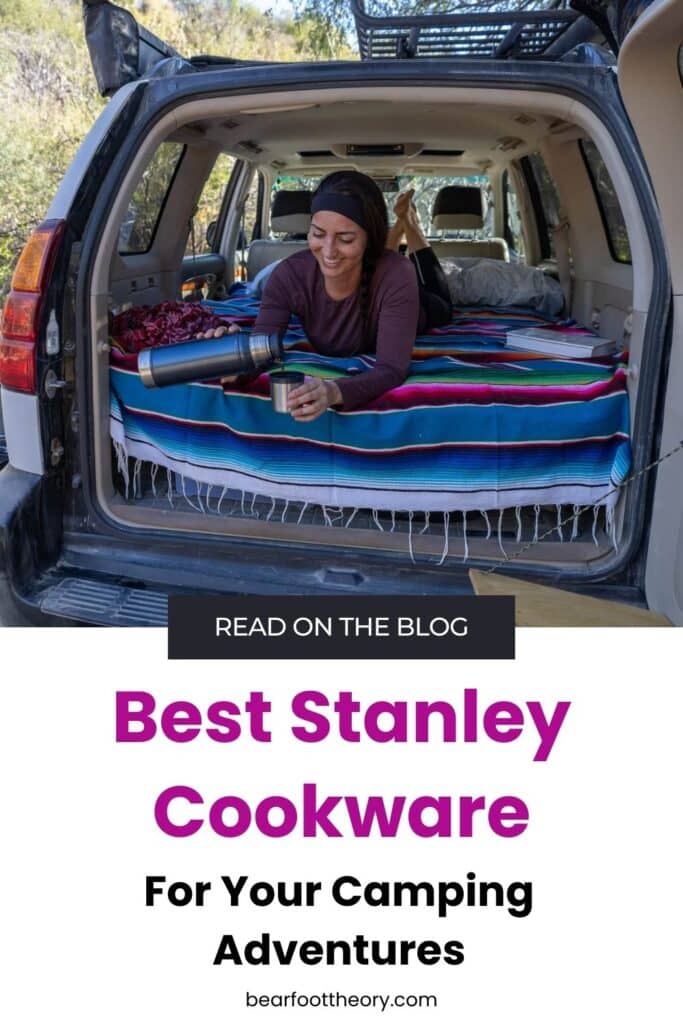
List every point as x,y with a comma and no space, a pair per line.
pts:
291,212
458,207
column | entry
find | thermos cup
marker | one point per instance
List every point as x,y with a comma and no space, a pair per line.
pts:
281,383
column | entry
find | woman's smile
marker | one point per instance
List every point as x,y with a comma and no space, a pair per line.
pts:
338,245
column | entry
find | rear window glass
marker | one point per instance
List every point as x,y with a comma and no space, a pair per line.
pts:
426,189
291,183
608,203
137,231
294,183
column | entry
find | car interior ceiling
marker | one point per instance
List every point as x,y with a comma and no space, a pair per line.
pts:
300,142
311,139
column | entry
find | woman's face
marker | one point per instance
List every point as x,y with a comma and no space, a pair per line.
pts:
338,245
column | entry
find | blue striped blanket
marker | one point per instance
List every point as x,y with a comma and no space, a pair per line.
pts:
474,427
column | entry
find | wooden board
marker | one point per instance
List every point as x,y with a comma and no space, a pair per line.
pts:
547,606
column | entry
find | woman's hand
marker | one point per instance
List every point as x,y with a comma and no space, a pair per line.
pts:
312,398
218,332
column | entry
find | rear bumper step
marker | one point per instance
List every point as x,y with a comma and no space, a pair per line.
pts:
104,604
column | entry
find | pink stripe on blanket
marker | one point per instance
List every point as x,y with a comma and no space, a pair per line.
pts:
411,395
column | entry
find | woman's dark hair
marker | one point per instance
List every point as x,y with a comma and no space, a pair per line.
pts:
375,223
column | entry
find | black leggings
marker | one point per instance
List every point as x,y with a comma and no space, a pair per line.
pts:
435,298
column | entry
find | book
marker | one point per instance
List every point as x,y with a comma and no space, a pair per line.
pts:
565,344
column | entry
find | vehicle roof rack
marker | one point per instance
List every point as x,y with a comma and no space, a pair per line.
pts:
500,34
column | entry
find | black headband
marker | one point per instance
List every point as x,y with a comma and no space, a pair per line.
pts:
337,202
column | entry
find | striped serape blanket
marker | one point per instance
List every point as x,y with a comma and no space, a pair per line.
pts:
475,427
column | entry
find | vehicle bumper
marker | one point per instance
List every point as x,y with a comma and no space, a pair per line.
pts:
76,586
21,544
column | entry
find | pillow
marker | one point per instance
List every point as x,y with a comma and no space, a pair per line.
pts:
480,282
255,288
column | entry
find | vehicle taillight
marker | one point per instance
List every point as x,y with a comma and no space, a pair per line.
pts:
24,306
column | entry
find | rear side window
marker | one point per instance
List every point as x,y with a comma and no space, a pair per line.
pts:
250,225
512,218
608,203
137,231
545,201
203,225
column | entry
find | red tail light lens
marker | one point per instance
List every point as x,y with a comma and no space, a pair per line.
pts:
21,316
18,366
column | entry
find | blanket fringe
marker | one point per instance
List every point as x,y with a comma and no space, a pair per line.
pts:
351,518
500,535
611,523
122,466
575,522
197,495
446,531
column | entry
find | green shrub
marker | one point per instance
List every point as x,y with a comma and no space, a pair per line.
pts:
49,100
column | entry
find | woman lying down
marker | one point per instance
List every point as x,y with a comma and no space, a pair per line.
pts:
354,293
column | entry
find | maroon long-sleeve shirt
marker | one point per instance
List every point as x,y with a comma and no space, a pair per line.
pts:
334,327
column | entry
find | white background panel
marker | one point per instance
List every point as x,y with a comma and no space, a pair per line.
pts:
602,848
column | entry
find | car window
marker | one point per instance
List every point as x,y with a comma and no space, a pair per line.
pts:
608,203
209,207
544,199
137,231
250,225
426,190
291,183
512,218
251,222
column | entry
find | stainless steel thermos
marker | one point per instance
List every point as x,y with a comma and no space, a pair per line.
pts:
206,359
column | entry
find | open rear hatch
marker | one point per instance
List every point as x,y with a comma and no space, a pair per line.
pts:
123,51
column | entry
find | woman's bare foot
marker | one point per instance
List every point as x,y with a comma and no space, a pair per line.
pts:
412,228
404,202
